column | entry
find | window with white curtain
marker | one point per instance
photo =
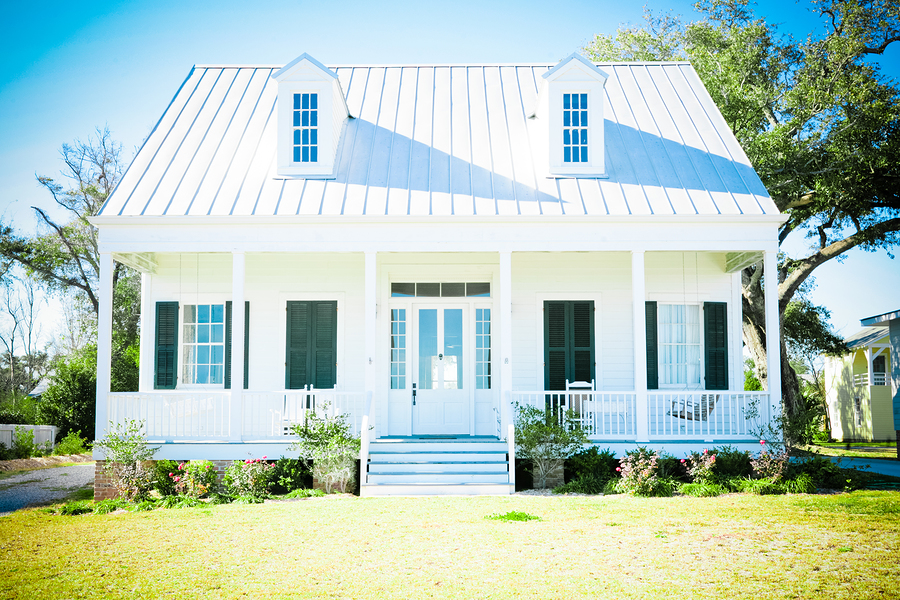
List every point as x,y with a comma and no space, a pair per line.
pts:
680,348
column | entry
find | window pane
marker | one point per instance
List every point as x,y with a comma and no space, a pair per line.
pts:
313,154
203,313
428,359
453,290
314,101
428,290
202,374
190,314
298,101
313,118
202,355
566,101
298,118
305,101
298,154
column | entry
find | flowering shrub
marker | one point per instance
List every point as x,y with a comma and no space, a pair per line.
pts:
126,451
195,478
249,478
641,476
332,446
700,466
770,465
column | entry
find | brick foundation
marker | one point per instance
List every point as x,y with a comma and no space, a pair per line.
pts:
103,483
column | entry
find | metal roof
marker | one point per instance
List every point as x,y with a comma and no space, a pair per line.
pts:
441,140
866,337
878,319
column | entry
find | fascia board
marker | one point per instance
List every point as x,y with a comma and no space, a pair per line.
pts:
581,63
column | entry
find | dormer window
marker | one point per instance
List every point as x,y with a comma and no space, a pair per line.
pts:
311,115
575,128
306,128
568,120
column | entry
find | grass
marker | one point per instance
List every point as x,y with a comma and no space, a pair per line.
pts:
734,546
857,449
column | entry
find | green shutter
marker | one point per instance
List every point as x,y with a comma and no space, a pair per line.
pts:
228,345
652,346
166,354
715,340
311,354
568,343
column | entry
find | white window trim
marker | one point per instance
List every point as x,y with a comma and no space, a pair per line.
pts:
324,167
182,305
701,385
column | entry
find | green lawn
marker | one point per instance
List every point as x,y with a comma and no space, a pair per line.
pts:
735,546
857,449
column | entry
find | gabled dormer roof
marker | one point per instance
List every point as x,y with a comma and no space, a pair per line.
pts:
586,67
302,63
441,140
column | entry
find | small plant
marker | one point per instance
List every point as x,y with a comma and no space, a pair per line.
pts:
304,493
592,461
289,474
126,451
547,439
79,507
249,478
731,462
770,465
109,505
640,475
72,443
163,481
24,446
700,466
586,483
329,443
513,515
702,490
195,478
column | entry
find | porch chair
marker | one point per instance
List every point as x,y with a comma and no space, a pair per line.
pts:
581,403
691,410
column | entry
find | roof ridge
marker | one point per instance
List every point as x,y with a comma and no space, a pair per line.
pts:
421,65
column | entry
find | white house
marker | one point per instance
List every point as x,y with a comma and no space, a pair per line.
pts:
422,246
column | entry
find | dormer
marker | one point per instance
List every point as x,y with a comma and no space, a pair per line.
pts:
311,114
569,113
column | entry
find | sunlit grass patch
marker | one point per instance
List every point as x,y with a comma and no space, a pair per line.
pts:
513,515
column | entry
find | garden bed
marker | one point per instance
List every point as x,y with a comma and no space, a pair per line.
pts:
43,462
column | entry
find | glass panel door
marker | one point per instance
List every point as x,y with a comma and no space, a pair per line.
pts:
442,399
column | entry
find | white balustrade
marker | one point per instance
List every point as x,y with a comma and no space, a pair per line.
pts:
193,415
607,415
878,378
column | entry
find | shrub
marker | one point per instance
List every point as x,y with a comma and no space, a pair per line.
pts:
72,443
700,466
600,464
731,462
195,478
823,472
770,465
640,475
547,439
305,493
126,451
163,477
586,483
249,478
78,507
331,446
70,401
109,505
5,453
801,484
289,474
24,446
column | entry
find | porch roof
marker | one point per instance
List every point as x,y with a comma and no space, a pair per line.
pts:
441,140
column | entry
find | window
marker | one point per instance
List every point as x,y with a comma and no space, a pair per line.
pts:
482,348
306,128
203,343
568,343
311,345
676,345
398,349
440,290
575,128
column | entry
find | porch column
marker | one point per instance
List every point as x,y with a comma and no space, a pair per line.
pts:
371,346
237,343
145,373
736,334
104,343
869,366
638,309
505,354
773,330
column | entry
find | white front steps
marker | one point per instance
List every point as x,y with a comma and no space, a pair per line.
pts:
426,467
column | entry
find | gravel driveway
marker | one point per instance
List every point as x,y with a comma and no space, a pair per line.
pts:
43,486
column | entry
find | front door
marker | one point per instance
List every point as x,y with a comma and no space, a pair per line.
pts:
442,392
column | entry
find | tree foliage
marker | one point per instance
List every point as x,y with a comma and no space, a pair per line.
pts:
820,124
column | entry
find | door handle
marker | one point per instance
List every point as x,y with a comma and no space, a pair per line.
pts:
440,357
414,394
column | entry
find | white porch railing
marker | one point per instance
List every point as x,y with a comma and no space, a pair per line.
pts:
877,378
604,415
682,415
193,415
206,416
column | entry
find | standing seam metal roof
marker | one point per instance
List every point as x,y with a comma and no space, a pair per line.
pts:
442,140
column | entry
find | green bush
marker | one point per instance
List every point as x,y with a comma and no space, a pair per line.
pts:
641,475
5,453
586,483
547,439
731,462
822,471
24,446
331,446
195,478
164,472
126,451
801,484
592,461
248,478
289,474
72,443
305,493
70,401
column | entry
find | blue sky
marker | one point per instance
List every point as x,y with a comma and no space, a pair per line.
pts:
69,67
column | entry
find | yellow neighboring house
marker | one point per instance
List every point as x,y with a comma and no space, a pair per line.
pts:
858,385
